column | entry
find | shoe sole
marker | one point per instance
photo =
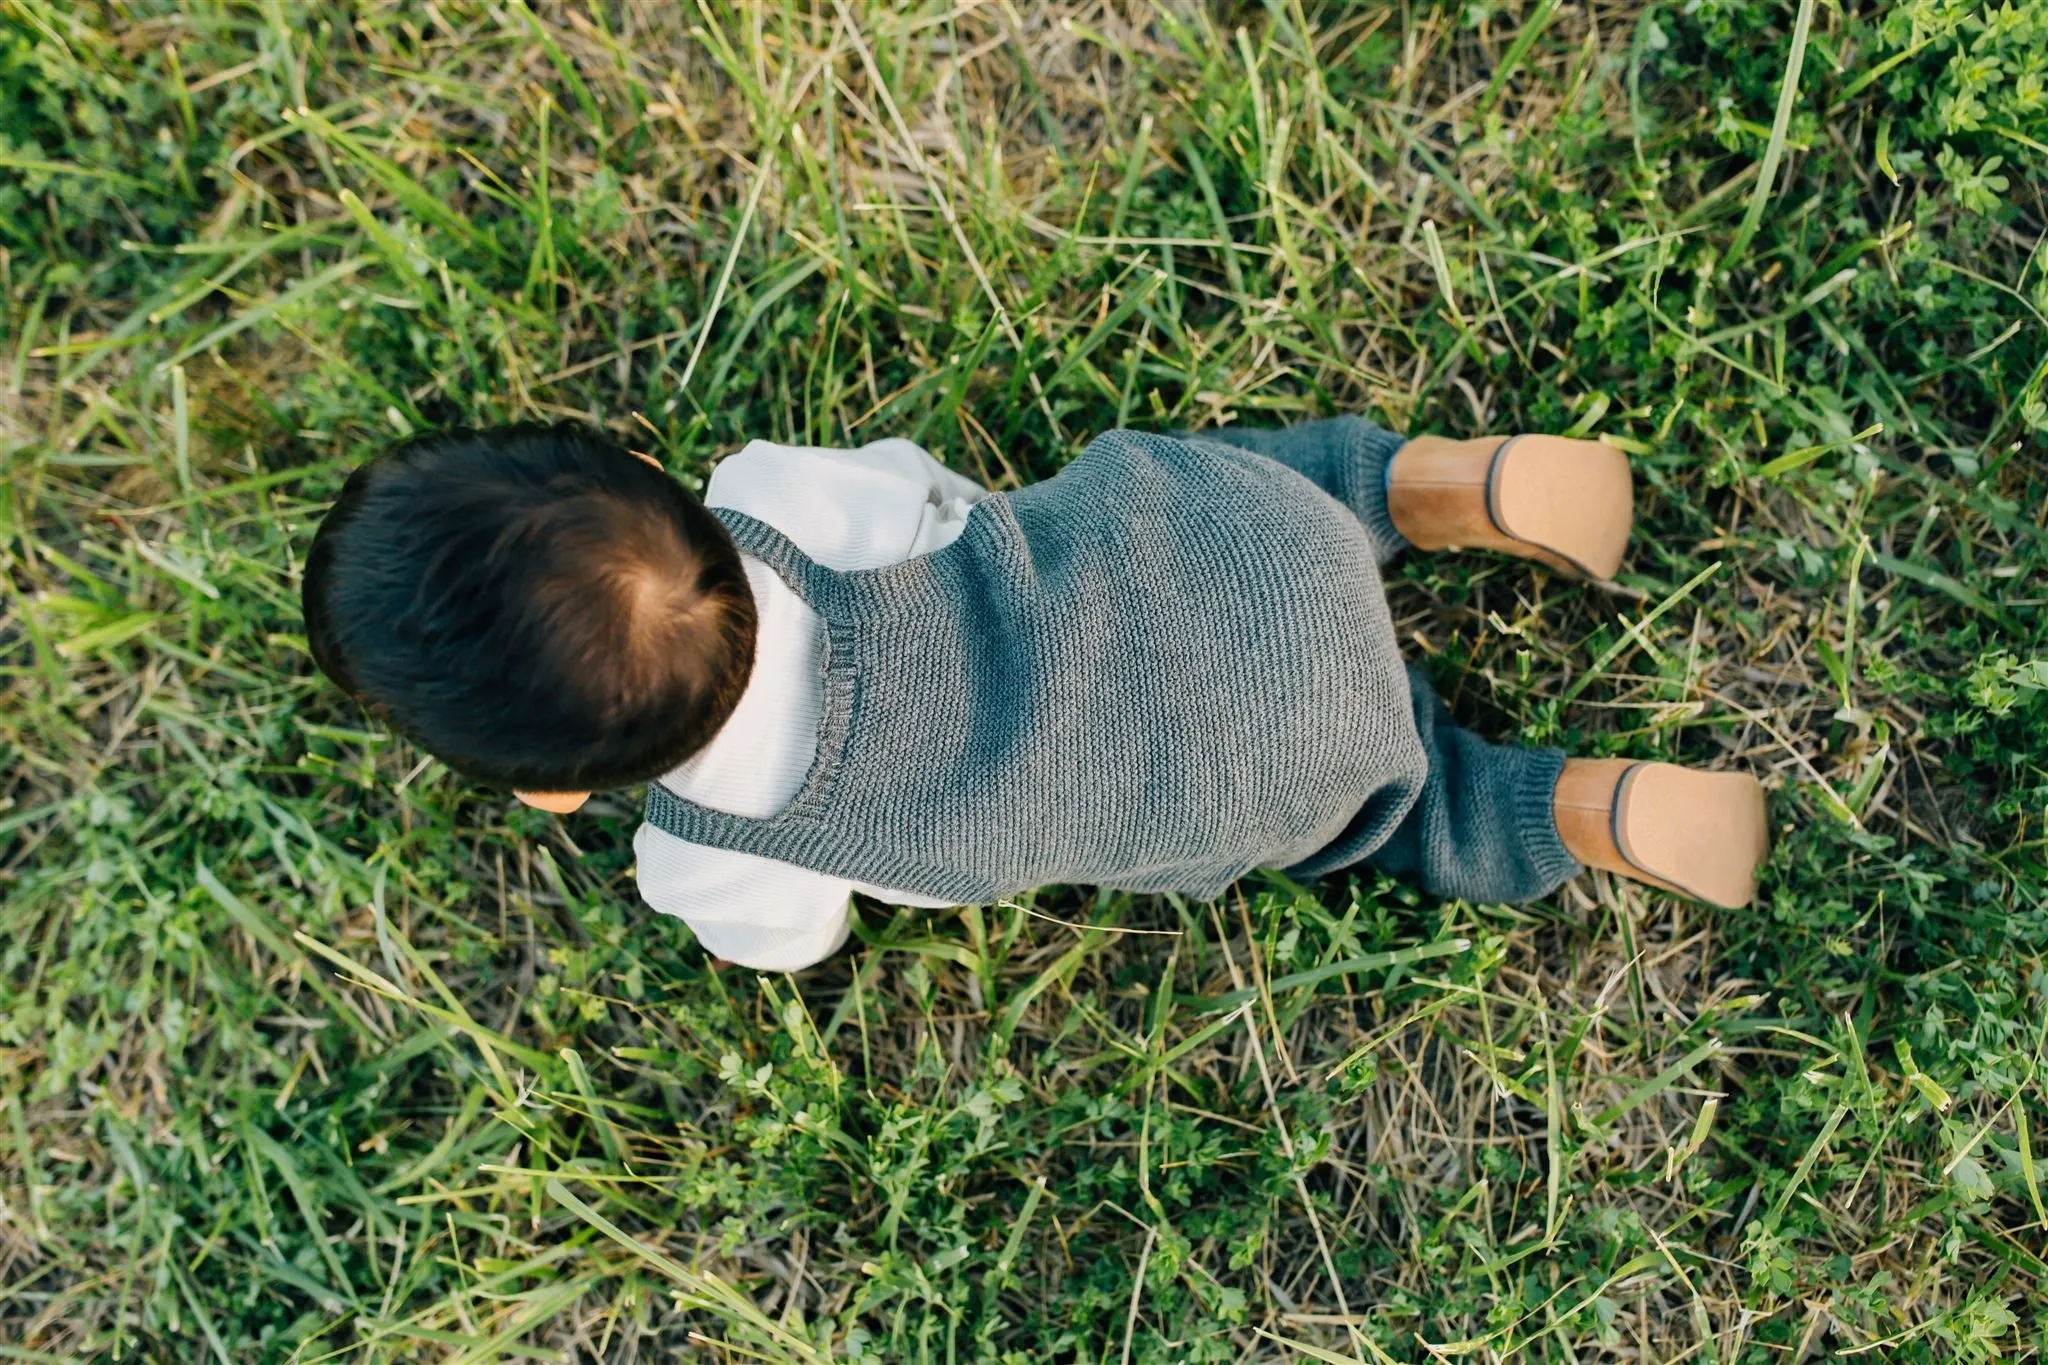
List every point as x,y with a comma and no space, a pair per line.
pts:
1572,501
1699,834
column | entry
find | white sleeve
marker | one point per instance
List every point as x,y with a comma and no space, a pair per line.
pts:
848,509
759,913
908,460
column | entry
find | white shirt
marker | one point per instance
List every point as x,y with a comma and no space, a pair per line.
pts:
846,509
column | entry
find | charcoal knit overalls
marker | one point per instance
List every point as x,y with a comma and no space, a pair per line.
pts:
1167,665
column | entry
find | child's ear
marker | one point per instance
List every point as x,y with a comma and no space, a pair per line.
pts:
554,803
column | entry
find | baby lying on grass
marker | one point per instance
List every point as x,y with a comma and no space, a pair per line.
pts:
854,670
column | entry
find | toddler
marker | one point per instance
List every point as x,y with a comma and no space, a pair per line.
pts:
855,670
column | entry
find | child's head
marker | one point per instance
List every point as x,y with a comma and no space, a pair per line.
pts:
534,605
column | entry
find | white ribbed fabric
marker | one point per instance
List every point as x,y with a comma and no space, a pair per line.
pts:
846,509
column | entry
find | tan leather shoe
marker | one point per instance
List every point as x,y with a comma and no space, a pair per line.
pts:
1562,502
1698,833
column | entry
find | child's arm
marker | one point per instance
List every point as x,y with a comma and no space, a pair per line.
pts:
848,509
759,913
912,462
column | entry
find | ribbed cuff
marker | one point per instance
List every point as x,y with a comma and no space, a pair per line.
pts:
1551,865
1372,454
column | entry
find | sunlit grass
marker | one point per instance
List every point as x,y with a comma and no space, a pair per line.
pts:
312,1051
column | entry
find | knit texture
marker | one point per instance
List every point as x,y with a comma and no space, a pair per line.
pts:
1169,664
1346,457
1485,826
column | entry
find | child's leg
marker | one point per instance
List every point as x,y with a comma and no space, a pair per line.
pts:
1497,822
1566,503
1346,457
1484,827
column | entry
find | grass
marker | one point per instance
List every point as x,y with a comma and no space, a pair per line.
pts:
313,1052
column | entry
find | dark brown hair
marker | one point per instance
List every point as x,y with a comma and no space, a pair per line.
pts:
533,605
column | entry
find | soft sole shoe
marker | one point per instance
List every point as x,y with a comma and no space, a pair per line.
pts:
1566,503
1700,834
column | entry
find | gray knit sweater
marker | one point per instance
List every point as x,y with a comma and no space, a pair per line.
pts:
1167,665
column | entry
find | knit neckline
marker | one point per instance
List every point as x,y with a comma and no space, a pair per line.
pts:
810,581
